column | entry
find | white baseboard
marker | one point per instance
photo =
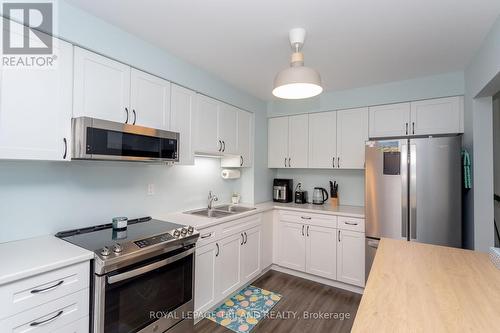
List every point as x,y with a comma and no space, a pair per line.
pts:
328,282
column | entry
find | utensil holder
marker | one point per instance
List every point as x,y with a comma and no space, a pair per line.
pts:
334,201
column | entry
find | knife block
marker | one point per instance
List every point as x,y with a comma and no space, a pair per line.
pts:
334,201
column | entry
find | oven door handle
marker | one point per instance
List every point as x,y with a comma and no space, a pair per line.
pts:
142,270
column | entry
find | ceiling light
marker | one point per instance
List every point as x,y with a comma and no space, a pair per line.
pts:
297,81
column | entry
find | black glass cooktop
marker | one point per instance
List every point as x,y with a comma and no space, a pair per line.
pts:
95,238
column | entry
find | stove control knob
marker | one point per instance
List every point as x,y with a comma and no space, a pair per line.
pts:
105,251
190,229
184,231
177,233
117,248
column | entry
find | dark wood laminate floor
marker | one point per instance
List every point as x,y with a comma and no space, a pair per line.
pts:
300,296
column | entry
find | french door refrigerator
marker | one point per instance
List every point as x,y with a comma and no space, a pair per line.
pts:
413,191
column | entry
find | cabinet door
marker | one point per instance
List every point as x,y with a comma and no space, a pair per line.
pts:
35,109
352,132
245,137
321,251
322,140
228,264
205,125
227,124
101,87
298,137
437,116
250,254
389,120
149,100
182,105
292,245
205,275
277,142
351,257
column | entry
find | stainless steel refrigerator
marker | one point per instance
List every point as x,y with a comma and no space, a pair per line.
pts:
413,191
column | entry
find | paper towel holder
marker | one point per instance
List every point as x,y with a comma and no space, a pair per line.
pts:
230,174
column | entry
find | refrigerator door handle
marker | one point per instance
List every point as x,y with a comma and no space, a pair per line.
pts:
404,190
413,191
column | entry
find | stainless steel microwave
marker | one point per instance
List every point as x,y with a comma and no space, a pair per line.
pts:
97,139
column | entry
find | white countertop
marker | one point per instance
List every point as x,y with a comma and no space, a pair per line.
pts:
200,222
28,257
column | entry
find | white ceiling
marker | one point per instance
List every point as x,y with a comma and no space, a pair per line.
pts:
352,43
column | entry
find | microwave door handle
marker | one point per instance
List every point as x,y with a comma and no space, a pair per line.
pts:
142,270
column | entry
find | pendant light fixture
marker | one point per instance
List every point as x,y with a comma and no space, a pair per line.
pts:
297,81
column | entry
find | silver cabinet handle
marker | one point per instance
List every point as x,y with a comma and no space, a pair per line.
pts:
305,217
218,249
351,223
143,270
413,127
219,146
126,120
307,231
242,239
406,128
135,116
303,230
206,236
246,237
241,160
65,148
37,291
46,321
339,235
289,160
333,161
285,162
338,162
224,145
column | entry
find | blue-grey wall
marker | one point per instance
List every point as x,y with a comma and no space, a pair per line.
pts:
352,181
482,80
39,198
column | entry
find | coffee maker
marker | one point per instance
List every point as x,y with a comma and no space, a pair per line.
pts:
282,190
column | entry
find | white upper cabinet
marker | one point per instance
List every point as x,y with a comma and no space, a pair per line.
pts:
227,122
389,120
35,109
322,140
298,141
437,116
205,125
278,142
182,107
149,100
352,133
101,87
245,137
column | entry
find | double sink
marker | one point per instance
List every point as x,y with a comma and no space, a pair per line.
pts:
220,211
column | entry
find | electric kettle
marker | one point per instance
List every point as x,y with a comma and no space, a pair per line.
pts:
320,195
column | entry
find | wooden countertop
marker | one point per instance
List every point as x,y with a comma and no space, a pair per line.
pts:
416,287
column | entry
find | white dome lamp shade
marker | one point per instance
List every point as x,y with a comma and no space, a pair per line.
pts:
297,81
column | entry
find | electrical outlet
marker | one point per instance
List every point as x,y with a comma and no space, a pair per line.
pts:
151,189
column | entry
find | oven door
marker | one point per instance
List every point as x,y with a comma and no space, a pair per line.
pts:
150,296
106,140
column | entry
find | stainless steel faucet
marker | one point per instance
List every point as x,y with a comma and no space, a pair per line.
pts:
211,198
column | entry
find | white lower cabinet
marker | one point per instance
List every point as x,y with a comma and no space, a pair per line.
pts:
226,263
321,251
351,257
316,245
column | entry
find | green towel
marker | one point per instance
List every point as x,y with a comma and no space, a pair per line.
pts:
466,166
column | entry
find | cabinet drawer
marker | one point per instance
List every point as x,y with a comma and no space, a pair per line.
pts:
320,220
239,225
351,223
79,326
50,317
27,293
208,236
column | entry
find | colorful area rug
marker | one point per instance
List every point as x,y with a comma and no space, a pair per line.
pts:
243,311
